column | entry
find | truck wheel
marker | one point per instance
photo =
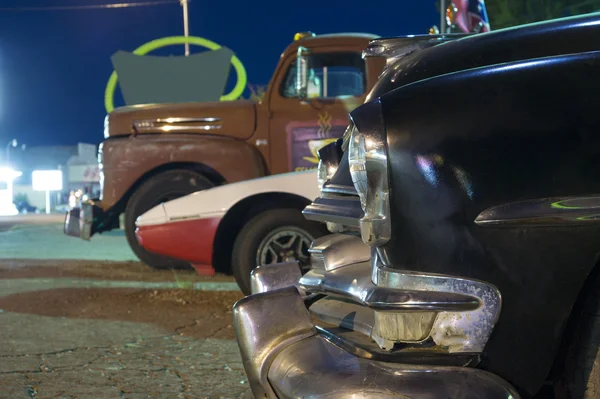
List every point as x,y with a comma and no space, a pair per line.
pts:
274,236
163,187
581,371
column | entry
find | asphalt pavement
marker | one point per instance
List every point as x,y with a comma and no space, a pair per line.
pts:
42,237
86,320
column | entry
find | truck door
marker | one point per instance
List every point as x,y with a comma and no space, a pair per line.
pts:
298,128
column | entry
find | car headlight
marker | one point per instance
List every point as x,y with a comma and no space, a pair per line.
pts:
367,159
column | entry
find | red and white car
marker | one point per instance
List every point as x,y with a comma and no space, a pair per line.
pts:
237,226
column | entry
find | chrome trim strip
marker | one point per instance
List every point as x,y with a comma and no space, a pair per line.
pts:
175,124
340,210
339,189
353,282
171,128
186,120
316,368
543,212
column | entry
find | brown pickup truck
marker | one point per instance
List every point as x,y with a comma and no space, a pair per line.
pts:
157,152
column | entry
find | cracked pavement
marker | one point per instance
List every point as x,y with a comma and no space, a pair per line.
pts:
67,331
157,367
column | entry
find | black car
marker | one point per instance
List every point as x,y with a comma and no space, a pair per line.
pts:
472,177
25,207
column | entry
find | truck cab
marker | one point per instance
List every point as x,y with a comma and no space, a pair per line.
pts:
153,153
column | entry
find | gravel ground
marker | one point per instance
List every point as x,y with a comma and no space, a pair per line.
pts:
101,325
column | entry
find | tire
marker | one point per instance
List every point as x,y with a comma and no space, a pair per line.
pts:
260,231
580,376
157,189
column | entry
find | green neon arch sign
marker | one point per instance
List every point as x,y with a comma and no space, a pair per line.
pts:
144,49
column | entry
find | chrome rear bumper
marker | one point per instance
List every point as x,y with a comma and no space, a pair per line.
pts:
88,219
78,221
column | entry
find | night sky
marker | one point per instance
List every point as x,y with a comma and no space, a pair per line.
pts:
54,64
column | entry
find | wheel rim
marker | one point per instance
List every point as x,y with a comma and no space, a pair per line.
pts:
285,244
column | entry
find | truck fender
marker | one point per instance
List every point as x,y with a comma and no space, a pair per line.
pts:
127,162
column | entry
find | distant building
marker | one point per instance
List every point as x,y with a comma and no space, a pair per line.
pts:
79,164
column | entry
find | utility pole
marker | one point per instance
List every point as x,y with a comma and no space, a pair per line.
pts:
442,15
186,27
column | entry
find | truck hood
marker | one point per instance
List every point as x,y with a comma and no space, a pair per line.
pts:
215,202
235,119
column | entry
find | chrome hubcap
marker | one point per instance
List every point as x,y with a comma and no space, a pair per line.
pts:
286,244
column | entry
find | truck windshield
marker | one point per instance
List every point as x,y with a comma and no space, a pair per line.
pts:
330,75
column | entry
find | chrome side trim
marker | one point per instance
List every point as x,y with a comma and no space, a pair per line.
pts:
316,368
339,189
336,250
186,120
267,278
340,210
264,325
174,124
543,212
353,282
457,331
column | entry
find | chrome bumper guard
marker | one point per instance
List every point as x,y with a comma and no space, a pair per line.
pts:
373,331
86,220
78,221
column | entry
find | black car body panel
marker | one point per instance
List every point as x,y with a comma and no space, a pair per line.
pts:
496,180
512,135
562,36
